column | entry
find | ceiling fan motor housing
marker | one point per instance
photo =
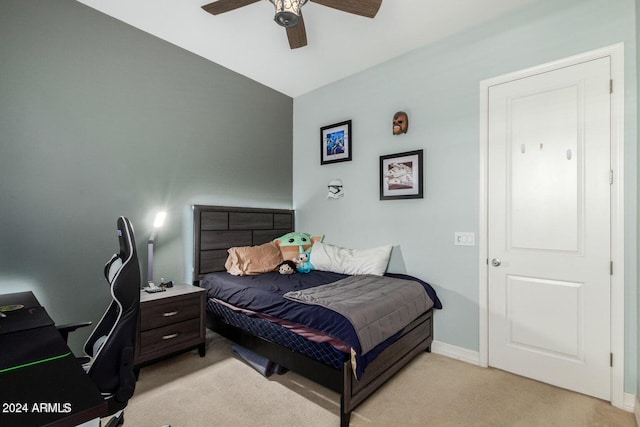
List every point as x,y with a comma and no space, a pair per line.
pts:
287,11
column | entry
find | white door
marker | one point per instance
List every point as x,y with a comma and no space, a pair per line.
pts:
549,227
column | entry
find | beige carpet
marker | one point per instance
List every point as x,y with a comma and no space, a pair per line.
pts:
433,390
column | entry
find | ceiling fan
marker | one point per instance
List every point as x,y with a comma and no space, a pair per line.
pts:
289,15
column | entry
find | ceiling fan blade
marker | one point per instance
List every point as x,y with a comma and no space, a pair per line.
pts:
368,8
297,35
222,6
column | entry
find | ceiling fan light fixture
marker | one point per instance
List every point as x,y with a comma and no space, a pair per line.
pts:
287,12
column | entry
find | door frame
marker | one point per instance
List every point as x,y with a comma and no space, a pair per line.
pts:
616,53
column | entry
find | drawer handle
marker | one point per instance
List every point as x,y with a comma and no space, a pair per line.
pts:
170,313
170,336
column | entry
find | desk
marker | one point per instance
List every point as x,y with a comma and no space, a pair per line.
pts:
41,382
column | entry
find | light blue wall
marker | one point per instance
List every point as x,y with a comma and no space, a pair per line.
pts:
438,85
97,120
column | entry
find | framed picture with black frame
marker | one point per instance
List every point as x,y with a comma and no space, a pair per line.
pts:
401,176
336,143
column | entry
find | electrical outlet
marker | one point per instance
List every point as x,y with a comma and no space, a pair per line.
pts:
464,238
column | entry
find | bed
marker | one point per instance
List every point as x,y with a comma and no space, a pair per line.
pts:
274,336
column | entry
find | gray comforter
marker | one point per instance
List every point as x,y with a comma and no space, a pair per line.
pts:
377,306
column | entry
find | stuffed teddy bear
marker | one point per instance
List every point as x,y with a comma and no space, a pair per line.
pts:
303,262
287,267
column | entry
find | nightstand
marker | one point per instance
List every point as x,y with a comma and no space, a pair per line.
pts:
170,322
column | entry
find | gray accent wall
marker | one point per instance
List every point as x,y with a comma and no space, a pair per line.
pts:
98,120
439,86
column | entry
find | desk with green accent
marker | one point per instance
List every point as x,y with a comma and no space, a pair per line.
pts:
41,382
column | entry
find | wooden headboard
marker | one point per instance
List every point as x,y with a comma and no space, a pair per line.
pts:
218,228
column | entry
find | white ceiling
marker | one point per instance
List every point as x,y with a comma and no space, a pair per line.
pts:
249,42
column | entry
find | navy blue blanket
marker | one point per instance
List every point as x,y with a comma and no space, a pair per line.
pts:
264,294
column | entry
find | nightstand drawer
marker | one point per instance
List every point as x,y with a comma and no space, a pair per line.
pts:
174,335
173,311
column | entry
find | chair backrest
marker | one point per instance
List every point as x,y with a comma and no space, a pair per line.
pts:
111,345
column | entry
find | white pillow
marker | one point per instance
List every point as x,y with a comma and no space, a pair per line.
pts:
350,261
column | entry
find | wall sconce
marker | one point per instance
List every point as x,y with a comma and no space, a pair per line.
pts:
158,222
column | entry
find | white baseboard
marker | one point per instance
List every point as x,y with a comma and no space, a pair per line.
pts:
635,408
456,352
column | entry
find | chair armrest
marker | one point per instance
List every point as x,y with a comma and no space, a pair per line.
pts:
70,327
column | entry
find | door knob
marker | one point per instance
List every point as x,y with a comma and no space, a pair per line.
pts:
496,262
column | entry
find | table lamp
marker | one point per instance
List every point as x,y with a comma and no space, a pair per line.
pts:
157,223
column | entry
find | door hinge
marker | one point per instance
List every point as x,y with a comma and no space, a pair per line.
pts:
611,268
611,177
611,360
611,86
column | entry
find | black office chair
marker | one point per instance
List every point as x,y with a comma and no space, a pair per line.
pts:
111,346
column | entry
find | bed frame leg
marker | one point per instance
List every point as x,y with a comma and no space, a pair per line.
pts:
345,417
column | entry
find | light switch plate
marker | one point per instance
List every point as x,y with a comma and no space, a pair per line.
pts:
464,238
